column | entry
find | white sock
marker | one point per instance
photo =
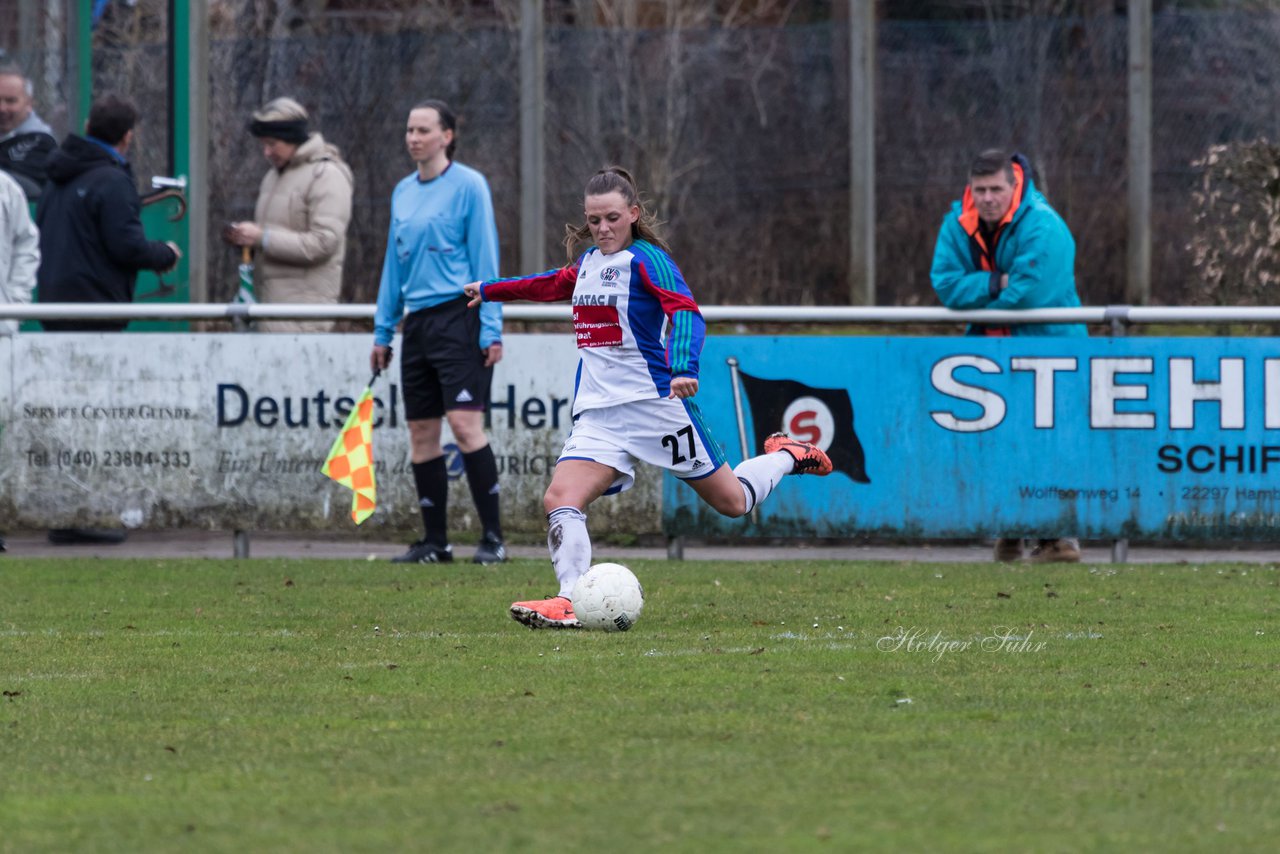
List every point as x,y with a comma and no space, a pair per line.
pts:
570,546
759,475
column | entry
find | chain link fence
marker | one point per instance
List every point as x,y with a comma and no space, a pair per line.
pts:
739,134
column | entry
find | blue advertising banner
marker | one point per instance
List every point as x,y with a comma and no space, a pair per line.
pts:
1162,438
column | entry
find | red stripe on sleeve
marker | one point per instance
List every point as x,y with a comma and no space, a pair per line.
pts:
551,286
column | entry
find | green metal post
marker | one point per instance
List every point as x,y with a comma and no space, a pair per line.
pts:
172,287
80,22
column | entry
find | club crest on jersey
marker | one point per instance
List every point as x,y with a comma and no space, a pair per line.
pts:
610,275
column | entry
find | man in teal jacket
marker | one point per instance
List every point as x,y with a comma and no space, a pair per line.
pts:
1003,247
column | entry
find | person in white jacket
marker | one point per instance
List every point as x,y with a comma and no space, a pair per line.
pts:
19,253
19,249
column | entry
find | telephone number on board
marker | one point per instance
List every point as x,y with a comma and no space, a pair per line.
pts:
112,458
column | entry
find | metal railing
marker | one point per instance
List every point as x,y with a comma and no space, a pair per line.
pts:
1122,315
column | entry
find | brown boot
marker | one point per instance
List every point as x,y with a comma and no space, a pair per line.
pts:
1008,550
1065,550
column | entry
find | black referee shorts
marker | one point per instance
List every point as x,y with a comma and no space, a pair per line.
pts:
442,365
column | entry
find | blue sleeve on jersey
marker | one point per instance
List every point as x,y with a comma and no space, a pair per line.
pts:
684,347
687,330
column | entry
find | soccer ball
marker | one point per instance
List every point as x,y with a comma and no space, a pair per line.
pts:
609,597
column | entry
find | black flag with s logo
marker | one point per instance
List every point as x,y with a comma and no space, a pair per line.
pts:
770,401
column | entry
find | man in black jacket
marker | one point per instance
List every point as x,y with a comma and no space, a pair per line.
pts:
91,238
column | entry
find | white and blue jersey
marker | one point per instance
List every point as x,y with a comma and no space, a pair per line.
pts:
442,236
636,323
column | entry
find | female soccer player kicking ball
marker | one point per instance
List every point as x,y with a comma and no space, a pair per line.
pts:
639,334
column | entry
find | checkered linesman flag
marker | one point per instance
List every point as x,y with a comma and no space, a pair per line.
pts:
350,460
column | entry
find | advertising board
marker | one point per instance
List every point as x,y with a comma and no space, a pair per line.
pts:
227,431
1166,438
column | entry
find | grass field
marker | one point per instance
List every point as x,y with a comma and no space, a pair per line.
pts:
800,706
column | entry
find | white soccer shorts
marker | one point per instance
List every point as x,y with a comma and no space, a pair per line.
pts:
663,432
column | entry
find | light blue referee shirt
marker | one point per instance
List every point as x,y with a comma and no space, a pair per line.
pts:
442,236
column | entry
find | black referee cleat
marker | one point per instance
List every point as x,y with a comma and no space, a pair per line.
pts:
491,550
426,552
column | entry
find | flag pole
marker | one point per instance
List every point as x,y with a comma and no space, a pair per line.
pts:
737,404
742,427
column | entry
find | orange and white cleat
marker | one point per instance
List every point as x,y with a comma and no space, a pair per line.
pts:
554,612
810,459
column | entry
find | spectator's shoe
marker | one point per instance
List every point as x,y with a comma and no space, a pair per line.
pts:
491,550
86,536
2,548
554,612
810,459
1008,550
1065,550
426,552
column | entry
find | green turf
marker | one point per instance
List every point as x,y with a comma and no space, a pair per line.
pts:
350,706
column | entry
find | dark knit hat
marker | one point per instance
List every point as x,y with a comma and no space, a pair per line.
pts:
283,119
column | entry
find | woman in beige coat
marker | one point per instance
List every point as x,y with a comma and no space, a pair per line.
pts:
300,221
